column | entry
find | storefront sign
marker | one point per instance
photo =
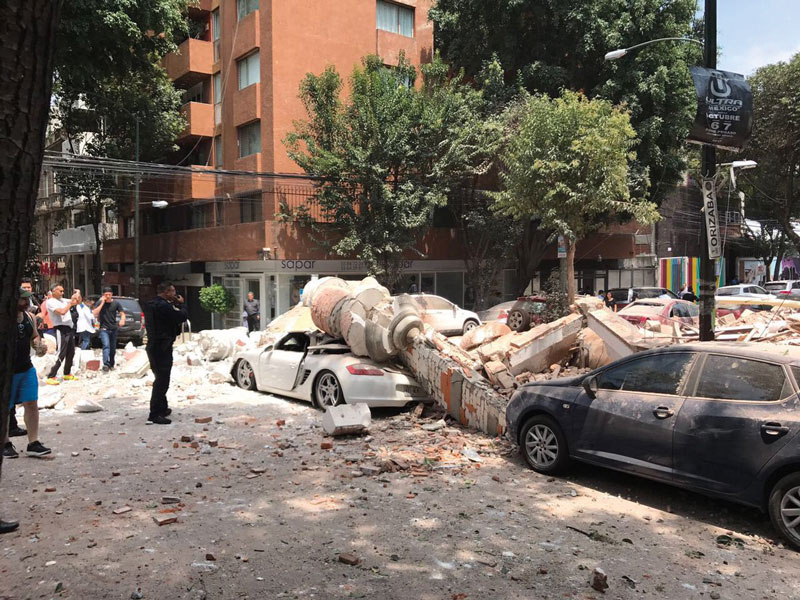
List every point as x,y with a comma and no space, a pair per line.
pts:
724,109
712,221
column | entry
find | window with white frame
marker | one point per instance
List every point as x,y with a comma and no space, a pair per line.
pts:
249,139
217,98
215,32
395,18
245,7
249,70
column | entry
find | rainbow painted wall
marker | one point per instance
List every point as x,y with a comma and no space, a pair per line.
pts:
677,271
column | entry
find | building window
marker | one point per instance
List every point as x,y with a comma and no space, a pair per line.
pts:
251,207
249,70
245,7
395,18
215,32
218,151
198,217
249,139
217,98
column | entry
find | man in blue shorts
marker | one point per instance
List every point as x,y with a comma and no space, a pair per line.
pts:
24,382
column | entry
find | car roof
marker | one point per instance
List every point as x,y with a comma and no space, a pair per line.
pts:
756,350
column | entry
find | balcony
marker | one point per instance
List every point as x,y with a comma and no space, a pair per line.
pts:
191,64
198,8
199,121
232,242
79,240
197,186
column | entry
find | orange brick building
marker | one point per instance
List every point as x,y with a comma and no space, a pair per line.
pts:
240,70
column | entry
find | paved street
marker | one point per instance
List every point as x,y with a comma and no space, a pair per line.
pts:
275,511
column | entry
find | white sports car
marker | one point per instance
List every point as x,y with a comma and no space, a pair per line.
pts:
314,367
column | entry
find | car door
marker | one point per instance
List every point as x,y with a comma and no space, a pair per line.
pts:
279,366
740,414
629,423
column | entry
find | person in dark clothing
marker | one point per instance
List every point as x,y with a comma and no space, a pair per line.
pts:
253,310
26,285
24,382
107,311
163,318
610,302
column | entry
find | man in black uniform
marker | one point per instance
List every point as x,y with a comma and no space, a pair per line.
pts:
165,314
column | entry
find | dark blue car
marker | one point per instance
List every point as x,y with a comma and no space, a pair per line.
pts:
720,419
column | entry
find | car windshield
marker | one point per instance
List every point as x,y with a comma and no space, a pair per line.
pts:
757,289
777,286
619,295
129,305
533,307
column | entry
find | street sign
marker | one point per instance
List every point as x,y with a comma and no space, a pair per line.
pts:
712,219
562,247
724,109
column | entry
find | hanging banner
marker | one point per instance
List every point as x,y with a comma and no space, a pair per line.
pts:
724,109
712,220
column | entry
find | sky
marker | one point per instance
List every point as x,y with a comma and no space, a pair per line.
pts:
754,33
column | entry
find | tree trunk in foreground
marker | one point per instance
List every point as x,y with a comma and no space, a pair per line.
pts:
27,31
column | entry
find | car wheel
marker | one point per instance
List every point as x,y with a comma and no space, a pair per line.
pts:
469,326
328,390
245,377
543,445
518,320
784,508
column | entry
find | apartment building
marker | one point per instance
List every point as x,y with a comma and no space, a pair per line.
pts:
240,69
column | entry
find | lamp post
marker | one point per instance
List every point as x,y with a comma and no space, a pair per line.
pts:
708,170
136,221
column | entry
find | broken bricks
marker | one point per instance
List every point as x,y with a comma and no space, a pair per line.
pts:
165,519
349,559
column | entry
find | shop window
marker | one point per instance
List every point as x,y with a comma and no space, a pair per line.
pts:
395,18
249,139
428,283
451,286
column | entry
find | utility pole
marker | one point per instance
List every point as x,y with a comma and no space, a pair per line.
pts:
708,169
136,224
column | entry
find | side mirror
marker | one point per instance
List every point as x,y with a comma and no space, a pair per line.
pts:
590,386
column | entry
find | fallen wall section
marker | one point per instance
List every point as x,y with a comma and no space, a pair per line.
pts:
465,395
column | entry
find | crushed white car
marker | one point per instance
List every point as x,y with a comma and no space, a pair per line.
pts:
312,366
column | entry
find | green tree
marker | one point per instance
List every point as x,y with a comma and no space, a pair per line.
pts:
547,45
567,165
385,156
773,189
217,299
97,102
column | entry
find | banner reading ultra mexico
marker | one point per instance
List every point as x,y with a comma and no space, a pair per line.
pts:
724,109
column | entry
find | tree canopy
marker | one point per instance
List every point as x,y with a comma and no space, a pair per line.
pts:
773,188
567,165
387,155
547,45
107,69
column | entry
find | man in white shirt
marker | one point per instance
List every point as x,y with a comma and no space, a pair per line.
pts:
59,309
85,323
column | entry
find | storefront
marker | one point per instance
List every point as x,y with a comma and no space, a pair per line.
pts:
277,284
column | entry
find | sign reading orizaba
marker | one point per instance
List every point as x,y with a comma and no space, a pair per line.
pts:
712,218
724,109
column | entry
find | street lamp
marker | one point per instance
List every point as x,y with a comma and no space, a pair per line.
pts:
161,204
738,164
619,53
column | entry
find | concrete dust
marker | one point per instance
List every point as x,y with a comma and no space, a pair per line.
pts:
261,504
